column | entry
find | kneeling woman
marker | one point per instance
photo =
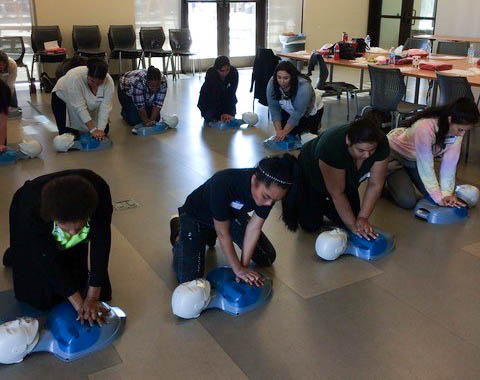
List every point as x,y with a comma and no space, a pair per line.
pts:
141,94
219,208
293,103
86,92
54,219
434,133
334,165
218,98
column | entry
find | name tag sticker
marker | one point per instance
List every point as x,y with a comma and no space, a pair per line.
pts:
237,205
364,177
450,139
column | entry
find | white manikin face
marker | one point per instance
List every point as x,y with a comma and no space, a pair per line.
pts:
190,298
17,339
468,193
64,142
331,244
31,147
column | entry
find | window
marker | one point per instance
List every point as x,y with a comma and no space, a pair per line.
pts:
16,20
283,16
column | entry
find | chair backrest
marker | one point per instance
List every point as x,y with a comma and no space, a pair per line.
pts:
14,47
453,88
180,39
86,37
452,48
42,34
415,43
387,88
323,71
152,37
121,37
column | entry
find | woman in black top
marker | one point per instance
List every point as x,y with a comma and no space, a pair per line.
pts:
219,208
53,220
217,97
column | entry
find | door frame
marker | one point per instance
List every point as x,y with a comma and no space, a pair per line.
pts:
223,32
406,17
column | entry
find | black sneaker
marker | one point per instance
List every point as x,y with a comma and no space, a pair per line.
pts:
174,229
7,258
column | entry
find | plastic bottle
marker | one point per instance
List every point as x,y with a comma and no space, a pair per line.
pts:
368,41
345,37
471,54
429,48
336,51
391,56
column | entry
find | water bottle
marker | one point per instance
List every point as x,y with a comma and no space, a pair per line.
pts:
368,41
336,51
471,54
429,48
391,56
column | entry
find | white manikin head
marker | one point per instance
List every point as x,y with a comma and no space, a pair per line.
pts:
251,118
331,244
468,193
63,143
170,120
30,147
190,298
17,339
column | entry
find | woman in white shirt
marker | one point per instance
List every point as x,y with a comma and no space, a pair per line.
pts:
86,92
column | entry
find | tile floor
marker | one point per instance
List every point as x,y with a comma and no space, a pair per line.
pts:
413,314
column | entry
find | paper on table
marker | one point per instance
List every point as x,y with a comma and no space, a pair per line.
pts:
49,45
462,73
447,57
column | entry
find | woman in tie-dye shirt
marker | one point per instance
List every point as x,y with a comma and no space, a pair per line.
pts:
435,133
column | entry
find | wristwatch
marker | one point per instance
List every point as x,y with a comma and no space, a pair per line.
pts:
93,130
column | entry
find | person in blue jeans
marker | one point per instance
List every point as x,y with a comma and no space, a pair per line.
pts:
142,94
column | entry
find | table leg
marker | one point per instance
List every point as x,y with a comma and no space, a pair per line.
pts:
331,73
417,89
361,79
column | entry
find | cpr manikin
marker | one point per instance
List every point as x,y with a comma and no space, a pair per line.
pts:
331,244
60,333
468,193
30,147
17,339
191,298
64,142
219,291
170,120
251,118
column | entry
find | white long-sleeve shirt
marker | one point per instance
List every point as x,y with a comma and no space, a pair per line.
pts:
82,104
9,76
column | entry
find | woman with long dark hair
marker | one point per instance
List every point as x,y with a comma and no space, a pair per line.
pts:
434,133
219,208
217,101
334,165
293,103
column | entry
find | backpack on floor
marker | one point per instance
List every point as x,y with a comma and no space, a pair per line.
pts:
47,83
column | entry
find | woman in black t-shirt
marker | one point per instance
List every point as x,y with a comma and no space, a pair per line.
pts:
334,165
219,208
54,219
217,101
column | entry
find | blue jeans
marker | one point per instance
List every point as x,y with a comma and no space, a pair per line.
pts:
129,111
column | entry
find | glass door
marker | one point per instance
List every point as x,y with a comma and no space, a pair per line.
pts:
226,27
391,22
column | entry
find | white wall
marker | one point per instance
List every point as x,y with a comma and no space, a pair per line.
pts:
458,18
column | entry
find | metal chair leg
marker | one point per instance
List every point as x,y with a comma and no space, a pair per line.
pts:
467,149
348,106
120,62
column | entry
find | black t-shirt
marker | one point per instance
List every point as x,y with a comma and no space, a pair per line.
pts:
226,193
331,147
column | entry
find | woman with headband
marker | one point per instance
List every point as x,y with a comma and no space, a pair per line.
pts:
219,208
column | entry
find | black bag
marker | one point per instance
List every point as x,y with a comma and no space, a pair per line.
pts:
47,83
361,45
346,50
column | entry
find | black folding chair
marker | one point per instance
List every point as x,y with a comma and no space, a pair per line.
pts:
152,40
416,43
14,47
181,42
122,42
86,41
453,48
40,35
